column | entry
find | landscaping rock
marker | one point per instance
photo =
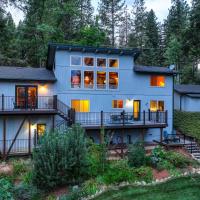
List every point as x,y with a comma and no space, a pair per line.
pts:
6,169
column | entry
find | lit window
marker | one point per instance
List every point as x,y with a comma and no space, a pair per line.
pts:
88,61
81,105
157,106
101,62
89,79
41,129
117,104
113,80
75,78
113,63
101,80
76,60
157,81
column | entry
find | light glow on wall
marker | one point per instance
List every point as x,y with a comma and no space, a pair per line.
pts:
43,89
129,103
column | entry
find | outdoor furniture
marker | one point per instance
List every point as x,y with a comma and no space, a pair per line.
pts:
118,118
171,138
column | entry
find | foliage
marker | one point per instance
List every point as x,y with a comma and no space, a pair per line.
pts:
188,123
143,174
60,159
175,189
75,194
136,155
19,167
117,172
90,187
6,188
26,191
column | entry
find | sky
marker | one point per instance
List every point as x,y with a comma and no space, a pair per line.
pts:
160,7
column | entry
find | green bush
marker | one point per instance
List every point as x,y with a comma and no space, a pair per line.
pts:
6,188
136,155
90,187
19,167
118,171
61,158
26,192
143,174
75,194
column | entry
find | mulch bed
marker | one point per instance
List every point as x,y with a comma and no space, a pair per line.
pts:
158,175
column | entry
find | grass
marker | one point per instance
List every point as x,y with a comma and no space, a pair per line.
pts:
185,188
188,123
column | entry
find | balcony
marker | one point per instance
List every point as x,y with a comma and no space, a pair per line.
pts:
28,105
95,120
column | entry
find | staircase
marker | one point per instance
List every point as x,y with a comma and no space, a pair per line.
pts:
194,149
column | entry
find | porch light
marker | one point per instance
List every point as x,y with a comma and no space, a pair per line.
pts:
129,103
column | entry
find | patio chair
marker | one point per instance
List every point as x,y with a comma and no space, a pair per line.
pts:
171,137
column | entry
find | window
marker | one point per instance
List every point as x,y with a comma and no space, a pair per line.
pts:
157,106
101,80
113,63
76,60
113,80
41,129
101,62
117,104
89,61
89,79
157,81
81,105
75,78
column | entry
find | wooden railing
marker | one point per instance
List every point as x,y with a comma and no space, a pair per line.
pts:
121,118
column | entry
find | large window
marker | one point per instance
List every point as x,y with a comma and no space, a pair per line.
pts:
75,78
113,63
101,62
157,81
117,104
113,80
101,80
88,79
81,105
76,60
157,105
89,61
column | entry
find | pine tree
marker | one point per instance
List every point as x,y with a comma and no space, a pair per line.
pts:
110,12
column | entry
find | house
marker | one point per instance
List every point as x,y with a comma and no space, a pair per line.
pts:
96,87
187,98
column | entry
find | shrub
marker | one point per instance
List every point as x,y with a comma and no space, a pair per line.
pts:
19,167
136,155
26,192
90,187
6,188
143,174
60,159
75,194
118,171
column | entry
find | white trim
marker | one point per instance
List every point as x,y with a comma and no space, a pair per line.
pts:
75,65
109,63
100,67
88,57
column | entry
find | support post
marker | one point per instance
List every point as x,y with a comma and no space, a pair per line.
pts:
4,137
53,123
161,135
149,114
101,119
142,135
29,135
157,116
144,117
2,102
166,117
122,135
55,102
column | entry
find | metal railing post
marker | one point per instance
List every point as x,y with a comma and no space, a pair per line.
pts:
144,117
55,102
166,117
2,102
101,118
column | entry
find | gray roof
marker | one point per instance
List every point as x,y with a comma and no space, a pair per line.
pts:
154,70
26,74
187,89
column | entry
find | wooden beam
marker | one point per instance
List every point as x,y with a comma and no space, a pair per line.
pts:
29,135
4,137
16,135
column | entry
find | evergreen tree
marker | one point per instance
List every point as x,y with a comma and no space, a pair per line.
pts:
110,12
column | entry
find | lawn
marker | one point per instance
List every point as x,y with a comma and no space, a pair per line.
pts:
185,188
188,123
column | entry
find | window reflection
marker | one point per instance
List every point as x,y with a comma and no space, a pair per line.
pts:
76,60
88,61
89,79
101,80
113,80
75,78
101,62
113,63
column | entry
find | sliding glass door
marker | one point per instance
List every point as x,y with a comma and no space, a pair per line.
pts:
136,109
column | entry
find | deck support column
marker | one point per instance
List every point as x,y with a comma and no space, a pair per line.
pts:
29,135
4,137
122,135
161,135
53,123
102,131
142,135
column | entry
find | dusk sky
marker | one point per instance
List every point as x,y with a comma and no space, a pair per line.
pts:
159,6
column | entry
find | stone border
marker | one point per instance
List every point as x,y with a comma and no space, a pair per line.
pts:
105,188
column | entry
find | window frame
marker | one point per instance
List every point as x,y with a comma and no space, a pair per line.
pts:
117,103
81,64
100,67
109,63
157,85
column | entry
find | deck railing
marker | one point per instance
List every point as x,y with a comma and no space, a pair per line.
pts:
121,118
10,103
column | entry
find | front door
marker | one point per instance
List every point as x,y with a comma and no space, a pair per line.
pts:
136,109
26,97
